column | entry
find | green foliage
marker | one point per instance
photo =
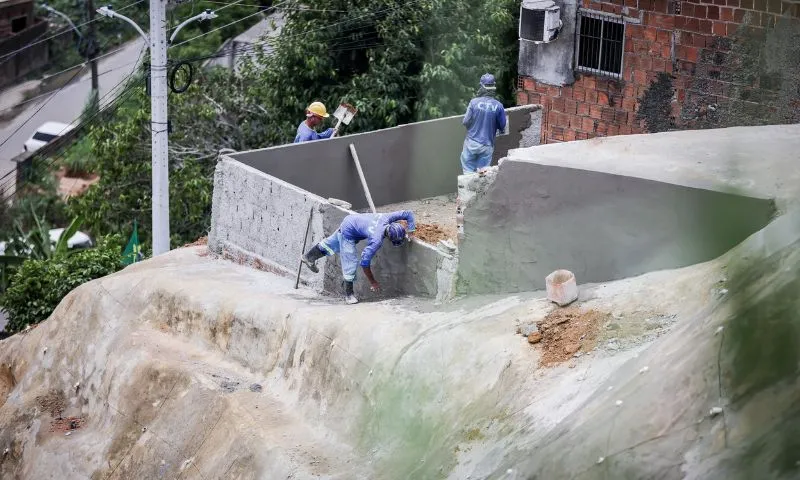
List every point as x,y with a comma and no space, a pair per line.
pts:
123,194
36,200
39,285
397,62
79,160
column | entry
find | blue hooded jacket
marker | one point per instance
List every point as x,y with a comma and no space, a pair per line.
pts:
484,117
370,226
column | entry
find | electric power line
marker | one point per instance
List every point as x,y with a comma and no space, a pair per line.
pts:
62,32
109,108
75,83
270,41
99,101
68,83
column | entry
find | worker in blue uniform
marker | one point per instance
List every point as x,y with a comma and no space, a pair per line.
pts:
485,117
373,227
306,131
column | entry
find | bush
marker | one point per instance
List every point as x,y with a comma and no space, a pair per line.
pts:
38,286
79,160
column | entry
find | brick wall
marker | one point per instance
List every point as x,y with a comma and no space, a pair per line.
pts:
698,50
11,10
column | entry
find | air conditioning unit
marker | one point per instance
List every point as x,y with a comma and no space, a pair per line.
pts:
539,21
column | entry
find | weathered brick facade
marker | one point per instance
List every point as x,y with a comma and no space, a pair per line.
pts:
686,64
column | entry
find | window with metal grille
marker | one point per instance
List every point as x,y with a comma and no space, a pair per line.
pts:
600,44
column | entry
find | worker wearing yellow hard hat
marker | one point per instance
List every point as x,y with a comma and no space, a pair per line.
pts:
306,132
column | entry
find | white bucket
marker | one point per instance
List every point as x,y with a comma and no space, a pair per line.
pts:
561,287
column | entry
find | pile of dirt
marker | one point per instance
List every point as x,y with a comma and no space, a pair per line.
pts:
437,212
429,233
566,332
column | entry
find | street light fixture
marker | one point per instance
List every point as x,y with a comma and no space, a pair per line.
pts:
64,16
108,11
206,15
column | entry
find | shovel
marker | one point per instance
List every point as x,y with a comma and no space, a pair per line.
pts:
344,114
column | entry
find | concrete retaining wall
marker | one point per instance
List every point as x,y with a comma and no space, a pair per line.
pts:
408,162
261,220
531,219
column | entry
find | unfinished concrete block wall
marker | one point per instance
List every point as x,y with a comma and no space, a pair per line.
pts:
258,217
262,220
407,162
529,219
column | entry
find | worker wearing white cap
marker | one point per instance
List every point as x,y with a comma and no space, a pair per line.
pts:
306,132
484,119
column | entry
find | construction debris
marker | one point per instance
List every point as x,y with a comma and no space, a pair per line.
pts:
199,242
66,424
566,331
535,337
431,234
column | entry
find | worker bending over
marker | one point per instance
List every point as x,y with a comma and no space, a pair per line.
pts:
306,131
373,227
484,118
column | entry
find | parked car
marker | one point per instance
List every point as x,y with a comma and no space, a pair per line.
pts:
79,240
45,134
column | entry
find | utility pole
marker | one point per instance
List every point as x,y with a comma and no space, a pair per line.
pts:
158,112
91,51
157,41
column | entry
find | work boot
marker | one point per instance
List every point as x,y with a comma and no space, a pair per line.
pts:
349,296
310,258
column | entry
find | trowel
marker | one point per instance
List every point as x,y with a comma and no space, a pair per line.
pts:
344,114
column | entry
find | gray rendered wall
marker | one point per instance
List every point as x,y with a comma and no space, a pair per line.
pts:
403,163
408,270
535,219
552,63
259,218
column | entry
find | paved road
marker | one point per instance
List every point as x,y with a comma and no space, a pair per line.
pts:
67,104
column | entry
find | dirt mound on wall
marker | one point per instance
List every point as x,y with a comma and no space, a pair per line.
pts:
431,234
567,332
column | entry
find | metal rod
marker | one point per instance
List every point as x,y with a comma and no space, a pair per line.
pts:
305,241
363,180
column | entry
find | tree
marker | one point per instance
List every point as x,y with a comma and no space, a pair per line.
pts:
39,285
396,61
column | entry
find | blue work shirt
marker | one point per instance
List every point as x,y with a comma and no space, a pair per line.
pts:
307,134
371,226
485,116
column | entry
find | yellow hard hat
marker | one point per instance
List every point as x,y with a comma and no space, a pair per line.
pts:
318,109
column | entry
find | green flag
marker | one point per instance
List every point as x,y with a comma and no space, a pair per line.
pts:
133,251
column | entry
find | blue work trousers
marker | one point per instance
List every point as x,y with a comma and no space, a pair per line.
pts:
348,256
475,156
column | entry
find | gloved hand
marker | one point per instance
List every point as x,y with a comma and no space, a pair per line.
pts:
375,287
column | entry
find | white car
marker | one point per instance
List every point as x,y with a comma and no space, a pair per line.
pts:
79,240
45,134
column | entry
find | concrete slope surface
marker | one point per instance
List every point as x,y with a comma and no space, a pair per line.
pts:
189,367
